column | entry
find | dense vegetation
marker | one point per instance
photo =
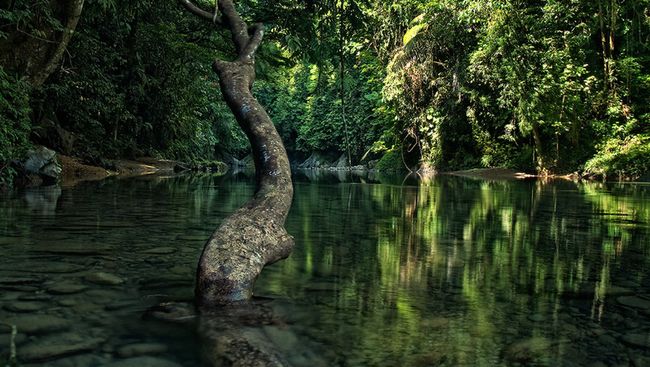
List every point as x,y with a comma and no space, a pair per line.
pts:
547,86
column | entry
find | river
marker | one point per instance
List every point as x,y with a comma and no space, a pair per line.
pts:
443,271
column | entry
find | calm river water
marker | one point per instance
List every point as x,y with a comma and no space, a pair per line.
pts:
442,272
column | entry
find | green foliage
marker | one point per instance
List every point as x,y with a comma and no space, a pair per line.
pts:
517,84
305,103
14,122
138,86
622,158
391,161
543,85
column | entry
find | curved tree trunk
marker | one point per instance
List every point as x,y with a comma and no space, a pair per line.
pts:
254,235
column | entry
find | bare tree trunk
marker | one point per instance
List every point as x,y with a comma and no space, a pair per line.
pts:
73,10
342,80
37,57
603,44
541,159
254,235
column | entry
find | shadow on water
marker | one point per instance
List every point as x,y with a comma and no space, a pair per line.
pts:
386,271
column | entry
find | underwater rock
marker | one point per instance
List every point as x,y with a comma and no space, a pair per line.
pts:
65,287
637,339
429,359
536,317
141,349
57,346
52,267
24,306
104,278
527,350
39,324
635,302
160,251
143,362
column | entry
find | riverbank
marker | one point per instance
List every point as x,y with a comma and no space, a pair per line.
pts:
75,171
505,174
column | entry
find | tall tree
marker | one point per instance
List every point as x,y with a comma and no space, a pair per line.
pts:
254,235
37,50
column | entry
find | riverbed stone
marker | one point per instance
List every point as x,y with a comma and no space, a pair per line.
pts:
435,323
24,306
65,287
160,251
103,296
181,270
19,281
20,288
144,361
640,361
527,350
56,346
141,349
67,302
104,278
122,304
615,291
52,267
281,337
81,360
39,324
433,358
35,297
607,340
321,287
72,249
634,301
5,339
637,339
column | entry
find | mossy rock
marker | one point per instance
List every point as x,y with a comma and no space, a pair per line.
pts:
390,162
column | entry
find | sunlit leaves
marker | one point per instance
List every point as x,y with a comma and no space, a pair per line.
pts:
412,33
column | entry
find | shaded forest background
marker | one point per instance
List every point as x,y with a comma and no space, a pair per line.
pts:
543,86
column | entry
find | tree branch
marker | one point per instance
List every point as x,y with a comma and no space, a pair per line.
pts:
248,53
214,18
237,26
73,9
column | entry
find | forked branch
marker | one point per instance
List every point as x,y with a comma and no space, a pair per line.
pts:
192,8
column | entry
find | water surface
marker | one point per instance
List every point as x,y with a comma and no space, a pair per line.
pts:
446,271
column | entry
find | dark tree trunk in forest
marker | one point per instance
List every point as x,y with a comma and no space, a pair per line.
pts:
254,235
37,57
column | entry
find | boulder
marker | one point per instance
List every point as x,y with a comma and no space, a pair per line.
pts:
42,162
341,163
315,160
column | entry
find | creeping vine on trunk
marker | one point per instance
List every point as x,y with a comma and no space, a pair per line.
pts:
253,236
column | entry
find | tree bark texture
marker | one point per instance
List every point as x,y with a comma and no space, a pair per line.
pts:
37,58
253,236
